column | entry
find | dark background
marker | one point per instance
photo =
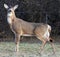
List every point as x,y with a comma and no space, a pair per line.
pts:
46,11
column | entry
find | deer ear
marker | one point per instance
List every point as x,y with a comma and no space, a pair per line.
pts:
15,7
6,6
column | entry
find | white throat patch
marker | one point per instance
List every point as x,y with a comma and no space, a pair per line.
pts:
9,20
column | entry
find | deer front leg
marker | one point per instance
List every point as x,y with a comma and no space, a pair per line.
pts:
17,39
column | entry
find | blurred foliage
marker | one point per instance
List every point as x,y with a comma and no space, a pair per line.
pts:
46,11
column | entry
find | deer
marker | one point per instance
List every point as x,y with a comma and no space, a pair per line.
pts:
23,28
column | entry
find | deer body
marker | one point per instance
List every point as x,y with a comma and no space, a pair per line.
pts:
26,28
22,28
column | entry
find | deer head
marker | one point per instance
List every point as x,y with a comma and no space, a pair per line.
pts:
10,10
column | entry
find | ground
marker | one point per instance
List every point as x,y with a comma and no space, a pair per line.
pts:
27,50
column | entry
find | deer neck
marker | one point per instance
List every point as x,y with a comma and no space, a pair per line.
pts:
11,18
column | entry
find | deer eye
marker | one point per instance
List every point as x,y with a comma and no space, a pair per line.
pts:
9,10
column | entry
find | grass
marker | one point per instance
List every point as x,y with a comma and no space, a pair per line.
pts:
27,50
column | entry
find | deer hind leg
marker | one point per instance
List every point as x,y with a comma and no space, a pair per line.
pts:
42,46
52,44
17,39
41,39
